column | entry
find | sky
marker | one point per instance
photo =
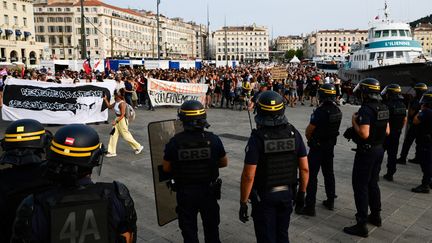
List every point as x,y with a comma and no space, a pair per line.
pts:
285,17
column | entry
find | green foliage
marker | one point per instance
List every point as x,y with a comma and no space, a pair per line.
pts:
299,54
290,54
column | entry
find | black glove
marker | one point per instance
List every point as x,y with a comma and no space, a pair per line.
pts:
299,201
243,212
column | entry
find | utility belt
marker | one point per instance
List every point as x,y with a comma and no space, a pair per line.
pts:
215,186
316,143
257,196
366,147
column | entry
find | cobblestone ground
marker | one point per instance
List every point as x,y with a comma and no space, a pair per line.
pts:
407,217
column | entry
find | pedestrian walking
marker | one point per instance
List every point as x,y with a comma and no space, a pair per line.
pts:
120,125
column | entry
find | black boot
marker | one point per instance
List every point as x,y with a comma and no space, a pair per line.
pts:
329,204
308,211
375,219
401,161
421,189
357,229
388,177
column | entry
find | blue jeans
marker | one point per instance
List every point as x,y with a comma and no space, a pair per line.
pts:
271,217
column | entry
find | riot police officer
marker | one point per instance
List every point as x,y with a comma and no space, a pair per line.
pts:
393,99
322,133
78,210
194,157
424,142
370,124
410,133
274,154
24,148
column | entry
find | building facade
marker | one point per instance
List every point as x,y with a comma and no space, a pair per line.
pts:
333,43
242,43
423,34
286,43
17,33
112,32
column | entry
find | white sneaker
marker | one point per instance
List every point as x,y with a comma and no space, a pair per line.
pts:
109,155
138,151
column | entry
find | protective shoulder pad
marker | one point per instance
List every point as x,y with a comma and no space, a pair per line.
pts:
123,194
22,229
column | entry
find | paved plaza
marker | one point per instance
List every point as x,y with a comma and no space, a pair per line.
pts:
407,217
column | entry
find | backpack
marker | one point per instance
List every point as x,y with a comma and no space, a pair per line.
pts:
130,113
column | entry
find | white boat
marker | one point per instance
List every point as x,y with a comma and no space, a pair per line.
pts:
391,55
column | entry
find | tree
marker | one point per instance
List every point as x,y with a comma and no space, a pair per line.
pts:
290,54
299,53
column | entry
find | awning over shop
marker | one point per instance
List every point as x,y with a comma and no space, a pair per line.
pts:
18,32
9,32
27,34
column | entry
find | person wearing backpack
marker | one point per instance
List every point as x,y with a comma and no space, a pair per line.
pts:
120,124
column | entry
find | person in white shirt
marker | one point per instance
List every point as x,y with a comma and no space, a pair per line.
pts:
120,125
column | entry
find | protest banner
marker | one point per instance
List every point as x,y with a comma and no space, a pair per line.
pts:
279,73
173,93
51,103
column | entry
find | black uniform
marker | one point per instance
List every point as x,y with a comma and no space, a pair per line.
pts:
227,82
94,212
16,183
424,145
398,112
194,157
77,210
275,151
327,119
368,159
23,148
410,133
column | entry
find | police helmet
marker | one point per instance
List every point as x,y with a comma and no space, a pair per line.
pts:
420,89
368,88
392,91
25,133
76,145
427,99
327,92
270,109
193,114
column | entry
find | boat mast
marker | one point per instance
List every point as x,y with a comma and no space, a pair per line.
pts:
386,14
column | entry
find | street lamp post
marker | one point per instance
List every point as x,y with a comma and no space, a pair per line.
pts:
158,25
83,34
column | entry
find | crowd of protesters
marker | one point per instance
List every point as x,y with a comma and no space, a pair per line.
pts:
227,87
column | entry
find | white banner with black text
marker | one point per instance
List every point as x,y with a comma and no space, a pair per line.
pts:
164,93
52,103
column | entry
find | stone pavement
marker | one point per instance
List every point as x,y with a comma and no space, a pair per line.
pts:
407,217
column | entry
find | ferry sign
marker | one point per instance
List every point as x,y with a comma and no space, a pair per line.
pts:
393,43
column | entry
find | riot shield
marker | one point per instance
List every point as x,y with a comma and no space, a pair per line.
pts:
159,134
